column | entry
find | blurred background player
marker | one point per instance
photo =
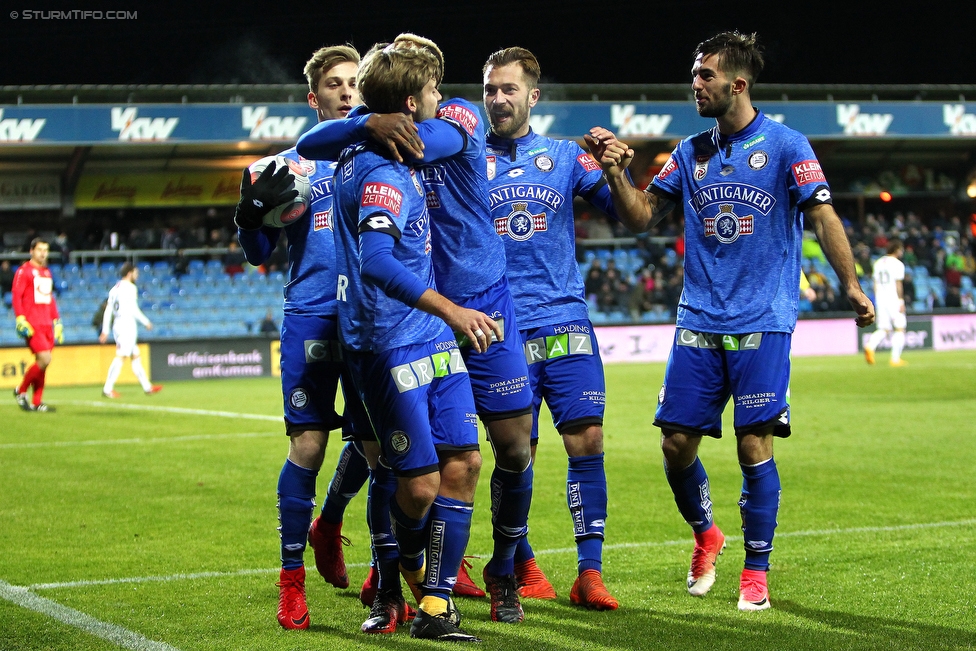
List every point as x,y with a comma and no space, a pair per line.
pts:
533,180
469,268
398,335
739,304
311,363
120,316
37,321
889,300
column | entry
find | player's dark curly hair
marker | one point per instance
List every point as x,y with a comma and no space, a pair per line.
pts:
739,54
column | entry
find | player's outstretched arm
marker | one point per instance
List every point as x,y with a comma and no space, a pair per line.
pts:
638,211
833,241
475,325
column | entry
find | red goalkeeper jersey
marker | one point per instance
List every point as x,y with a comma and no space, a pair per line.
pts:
33,294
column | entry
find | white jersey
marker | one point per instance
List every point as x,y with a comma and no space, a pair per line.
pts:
122,310
888,271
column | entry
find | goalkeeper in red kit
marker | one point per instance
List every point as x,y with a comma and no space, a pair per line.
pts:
38,322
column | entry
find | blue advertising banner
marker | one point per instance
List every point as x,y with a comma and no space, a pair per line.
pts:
209,123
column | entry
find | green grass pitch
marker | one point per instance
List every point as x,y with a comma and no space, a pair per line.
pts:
149,523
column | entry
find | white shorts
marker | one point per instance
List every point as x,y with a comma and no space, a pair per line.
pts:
890,317
126,342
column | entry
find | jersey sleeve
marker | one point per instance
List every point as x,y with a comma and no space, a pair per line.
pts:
22,299
588,181
327,139
442,139
667,183
807,183
109,311
259,244
381,203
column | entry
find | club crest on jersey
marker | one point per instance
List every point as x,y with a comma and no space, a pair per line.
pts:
322,220
758,159
544,163
520,224
701,167
726,226
491,168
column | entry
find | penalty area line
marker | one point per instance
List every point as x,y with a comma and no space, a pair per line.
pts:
539,552
123,637
173,410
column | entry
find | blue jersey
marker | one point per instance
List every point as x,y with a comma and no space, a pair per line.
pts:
468,256
743,228
532,182
310,289
373,193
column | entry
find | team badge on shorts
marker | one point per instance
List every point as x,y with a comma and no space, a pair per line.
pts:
726,226
400,442
758,159
298,399
544,163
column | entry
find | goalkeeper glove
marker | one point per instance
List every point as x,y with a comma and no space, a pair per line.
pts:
24,328
58,331
269,190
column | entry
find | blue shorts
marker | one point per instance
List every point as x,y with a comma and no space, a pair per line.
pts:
565,370
419,402
311,365
500,375
705,370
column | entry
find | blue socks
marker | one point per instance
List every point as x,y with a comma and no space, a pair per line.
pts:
759,505
296,501
351,473
586,495
382,486
511,496
449,523
691,494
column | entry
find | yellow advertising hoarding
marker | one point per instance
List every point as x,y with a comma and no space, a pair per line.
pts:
70,366
158,189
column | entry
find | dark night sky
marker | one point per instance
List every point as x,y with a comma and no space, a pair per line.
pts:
576,42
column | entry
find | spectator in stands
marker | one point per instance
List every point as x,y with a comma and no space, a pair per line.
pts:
171,239
829,301
6,277
606,298
594,279
62,245
181,264
268,326
233,259
600,228
908,287
953,297
611,274
640,294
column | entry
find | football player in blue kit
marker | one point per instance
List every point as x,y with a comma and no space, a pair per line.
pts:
398,335
469,268
532,182
310,360
747,184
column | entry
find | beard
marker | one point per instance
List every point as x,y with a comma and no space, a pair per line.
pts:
718,106
517,118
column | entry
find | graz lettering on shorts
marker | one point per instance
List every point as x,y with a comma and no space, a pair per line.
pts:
739,192
560,345
322,350
693,339
421,372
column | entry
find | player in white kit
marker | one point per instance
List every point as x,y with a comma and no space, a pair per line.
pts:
121,313
889,301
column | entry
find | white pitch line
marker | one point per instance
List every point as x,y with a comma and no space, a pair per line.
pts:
113,633
173,410
135,441
539,552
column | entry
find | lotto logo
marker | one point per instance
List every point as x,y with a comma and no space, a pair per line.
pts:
383,196
588,163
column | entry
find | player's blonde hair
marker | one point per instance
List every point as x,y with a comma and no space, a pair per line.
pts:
525,59
326,58
412,40
389,75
